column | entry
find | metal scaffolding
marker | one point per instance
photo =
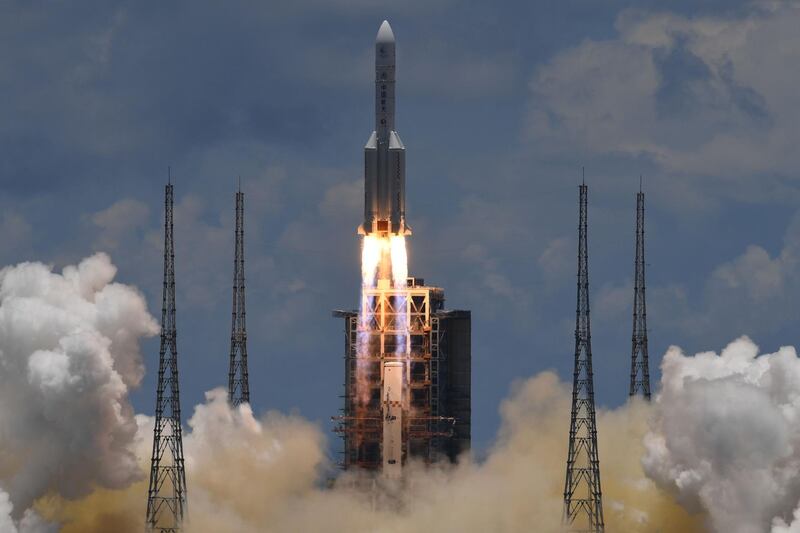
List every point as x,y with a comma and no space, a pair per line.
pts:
166,500
583,506
430,429
238,384
640,366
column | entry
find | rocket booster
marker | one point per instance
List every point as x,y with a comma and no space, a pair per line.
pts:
384,154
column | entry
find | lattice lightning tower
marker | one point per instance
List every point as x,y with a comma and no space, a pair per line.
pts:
166,500
583,506
238,386
640,366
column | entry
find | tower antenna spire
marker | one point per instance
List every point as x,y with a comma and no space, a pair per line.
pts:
583,506
238,381
166,498
640,366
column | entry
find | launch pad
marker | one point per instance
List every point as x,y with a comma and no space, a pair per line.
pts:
408,401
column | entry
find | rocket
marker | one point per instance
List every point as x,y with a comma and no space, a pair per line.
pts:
384,154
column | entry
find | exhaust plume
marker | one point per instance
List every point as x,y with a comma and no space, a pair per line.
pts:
68,353
726,436
271,475
718,450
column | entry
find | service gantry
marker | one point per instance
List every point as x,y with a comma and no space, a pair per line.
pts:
432,369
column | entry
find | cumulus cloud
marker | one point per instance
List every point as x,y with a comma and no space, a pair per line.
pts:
557,260
707,95
724,438
752,293
119,222
69,354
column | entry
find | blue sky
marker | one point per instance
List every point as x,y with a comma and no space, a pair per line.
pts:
499,107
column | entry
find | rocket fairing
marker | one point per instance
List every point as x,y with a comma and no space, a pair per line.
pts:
384,154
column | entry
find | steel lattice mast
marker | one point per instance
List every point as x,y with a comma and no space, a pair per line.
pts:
238,386
166,501
640,366
583,506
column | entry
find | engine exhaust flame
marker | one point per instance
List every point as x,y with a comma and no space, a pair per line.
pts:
384,262
399,278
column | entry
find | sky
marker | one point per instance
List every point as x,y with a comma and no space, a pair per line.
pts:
500,107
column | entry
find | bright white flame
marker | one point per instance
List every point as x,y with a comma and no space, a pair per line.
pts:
371,252
399,278
399,260
381,256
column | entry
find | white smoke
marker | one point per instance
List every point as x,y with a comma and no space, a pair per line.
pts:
269,475
722,438
726,436
31,522
68,355
72,448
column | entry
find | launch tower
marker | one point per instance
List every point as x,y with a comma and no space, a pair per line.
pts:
583,505
166,497
238,384
640,366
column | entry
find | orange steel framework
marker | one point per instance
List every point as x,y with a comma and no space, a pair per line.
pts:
436,390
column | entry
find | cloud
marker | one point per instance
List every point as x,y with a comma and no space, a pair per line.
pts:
557,260
724,437
704,95
69,353
282,462
753,292
343,199
30,522
119,222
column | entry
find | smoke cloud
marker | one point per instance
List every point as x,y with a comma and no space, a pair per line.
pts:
271,474
31,522
726,437
68,355
717,451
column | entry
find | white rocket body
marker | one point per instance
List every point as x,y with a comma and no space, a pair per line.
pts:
392,448
384,154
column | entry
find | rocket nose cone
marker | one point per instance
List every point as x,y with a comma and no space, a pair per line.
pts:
385,33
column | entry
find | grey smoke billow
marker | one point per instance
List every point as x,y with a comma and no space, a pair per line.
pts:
30,522
69,352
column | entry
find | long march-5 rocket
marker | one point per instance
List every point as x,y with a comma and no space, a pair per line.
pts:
384,154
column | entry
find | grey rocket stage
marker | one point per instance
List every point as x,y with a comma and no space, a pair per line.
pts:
384,154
